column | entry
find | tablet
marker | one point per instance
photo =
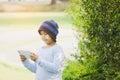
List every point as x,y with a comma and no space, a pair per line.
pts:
25,53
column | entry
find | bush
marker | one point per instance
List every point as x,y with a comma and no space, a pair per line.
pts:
71,71
99,43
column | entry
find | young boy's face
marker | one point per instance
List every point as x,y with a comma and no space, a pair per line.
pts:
46,38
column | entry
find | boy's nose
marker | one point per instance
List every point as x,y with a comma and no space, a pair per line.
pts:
43,36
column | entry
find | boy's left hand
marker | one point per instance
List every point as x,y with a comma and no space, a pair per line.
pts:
33,56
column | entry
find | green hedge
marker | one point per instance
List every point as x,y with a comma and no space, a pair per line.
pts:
98,27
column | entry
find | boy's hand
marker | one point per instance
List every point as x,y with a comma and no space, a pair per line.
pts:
22,57
33,56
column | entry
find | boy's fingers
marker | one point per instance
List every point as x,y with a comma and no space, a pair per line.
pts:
22,55
32,54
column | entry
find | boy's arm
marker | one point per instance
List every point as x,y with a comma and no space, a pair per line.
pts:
57,63
30,65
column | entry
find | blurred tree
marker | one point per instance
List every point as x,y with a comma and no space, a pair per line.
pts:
64,0
53,2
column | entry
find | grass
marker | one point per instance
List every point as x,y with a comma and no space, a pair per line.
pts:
9,72
11,45
33,19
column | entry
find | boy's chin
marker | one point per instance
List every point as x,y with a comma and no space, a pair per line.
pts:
46,42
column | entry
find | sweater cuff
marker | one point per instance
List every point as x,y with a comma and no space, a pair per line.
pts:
38,61
24,62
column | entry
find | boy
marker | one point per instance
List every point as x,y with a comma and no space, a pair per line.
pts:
48,62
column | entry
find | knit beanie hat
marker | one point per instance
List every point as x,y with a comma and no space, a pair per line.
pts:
50,27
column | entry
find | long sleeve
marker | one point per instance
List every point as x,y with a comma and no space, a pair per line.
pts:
30,65
56,65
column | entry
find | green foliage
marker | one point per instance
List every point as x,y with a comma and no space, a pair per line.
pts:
99,43
71,71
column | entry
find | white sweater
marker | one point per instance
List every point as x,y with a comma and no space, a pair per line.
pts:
49,64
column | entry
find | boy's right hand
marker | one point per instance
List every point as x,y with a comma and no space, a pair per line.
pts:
22,57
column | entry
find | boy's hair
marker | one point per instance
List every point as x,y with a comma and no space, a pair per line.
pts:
50,27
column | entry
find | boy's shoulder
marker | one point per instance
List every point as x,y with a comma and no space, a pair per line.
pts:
57,46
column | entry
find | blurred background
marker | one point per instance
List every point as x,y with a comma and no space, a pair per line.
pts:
19,22
32,5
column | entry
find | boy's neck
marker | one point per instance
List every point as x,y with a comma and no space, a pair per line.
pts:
51,44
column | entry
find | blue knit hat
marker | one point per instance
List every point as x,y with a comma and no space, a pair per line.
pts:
50,27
